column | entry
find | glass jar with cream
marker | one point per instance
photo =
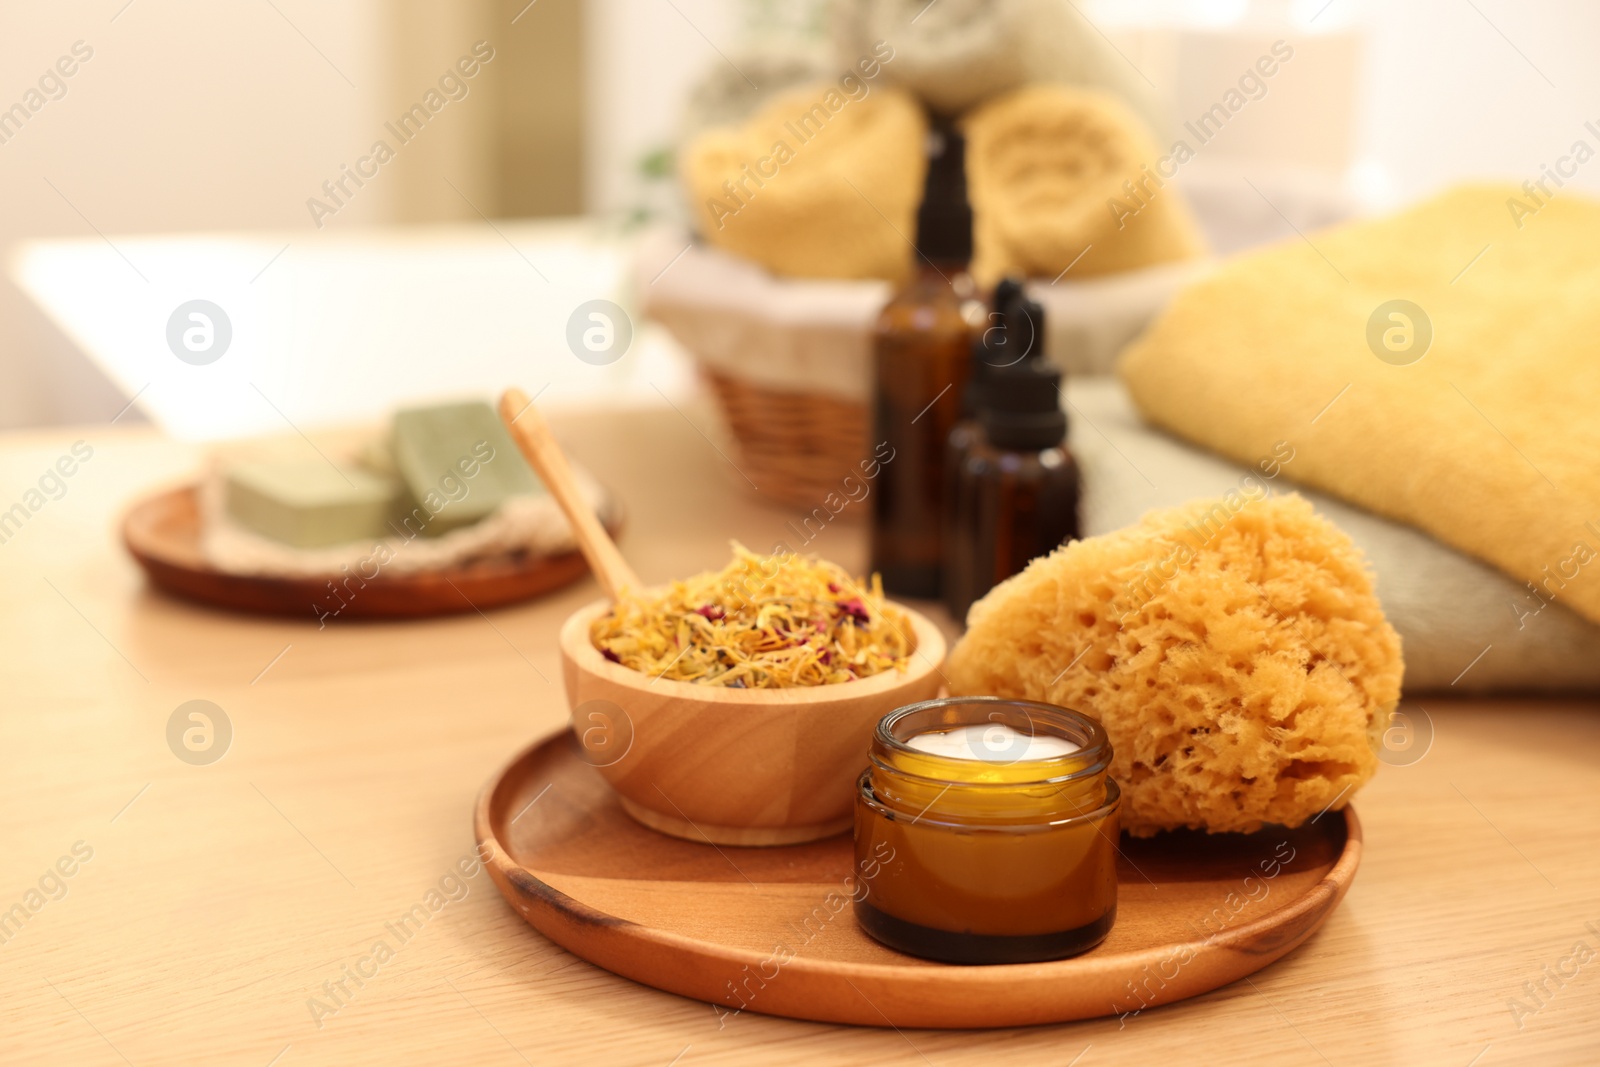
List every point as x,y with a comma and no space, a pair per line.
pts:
991,825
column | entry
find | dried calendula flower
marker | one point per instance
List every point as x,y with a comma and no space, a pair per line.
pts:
762,622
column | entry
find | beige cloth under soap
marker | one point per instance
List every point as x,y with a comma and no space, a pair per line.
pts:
1485,438
817,184
531,524
1046,167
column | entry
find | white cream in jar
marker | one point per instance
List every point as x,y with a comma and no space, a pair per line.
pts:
1002,821
993,741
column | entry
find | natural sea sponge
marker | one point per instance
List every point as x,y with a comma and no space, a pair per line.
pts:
1234,650
1049,172
817,184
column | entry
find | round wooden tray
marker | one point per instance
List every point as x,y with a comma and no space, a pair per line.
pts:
163,534
769,929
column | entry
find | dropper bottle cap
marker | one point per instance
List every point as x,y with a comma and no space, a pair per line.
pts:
1020,405
992,349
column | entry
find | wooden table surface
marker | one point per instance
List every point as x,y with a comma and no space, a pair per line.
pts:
208,904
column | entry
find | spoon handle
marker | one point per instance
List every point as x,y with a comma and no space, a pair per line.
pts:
539,448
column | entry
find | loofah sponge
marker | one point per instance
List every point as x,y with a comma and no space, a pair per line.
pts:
1049,172
1234,651
817,184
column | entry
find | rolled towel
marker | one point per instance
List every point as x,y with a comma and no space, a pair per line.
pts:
822,182
955,54
727,94
1062,179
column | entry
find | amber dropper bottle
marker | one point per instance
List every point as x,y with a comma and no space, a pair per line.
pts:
992,351
921,359
1014,493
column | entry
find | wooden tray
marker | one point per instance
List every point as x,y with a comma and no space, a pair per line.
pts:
163,534
719,923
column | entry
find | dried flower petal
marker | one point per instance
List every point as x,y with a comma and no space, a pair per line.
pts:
854,610
762,622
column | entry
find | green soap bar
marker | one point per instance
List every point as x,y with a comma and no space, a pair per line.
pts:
458,465
312,503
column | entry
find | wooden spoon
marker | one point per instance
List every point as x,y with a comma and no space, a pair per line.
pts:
539,448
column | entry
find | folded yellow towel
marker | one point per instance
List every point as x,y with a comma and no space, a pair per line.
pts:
1061,177
820,183
1473,418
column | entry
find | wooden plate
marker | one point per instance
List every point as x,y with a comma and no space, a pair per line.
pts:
163,534
769,930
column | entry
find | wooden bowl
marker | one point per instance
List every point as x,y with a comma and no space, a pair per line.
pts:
734,766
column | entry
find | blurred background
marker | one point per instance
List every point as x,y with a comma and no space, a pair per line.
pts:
217,123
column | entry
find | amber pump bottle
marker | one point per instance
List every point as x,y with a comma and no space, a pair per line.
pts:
1014,491
921,358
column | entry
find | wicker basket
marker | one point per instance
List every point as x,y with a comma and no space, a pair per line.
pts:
762,343
796,447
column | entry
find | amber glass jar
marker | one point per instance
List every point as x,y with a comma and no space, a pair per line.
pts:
998,859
